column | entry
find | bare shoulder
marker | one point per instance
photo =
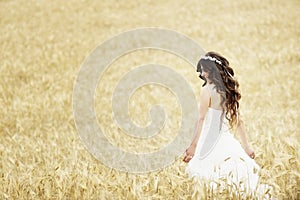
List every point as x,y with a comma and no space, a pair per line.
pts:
205,90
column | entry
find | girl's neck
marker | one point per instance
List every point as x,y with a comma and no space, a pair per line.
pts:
209,82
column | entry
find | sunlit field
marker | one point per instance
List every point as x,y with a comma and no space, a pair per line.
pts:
44,43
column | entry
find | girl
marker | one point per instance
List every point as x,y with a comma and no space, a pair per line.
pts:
214,153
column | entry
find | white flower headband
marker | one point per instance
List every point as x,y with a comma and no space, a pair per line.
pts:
217,61
212,59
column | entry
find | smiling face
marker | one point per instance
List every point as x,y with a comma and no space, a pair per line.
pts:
202,72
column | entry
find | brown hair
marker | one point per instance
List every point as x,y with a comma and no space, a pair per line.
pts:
222,75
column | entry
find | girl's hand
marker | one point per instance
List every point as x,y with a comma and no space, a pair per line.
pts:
250,152
189,153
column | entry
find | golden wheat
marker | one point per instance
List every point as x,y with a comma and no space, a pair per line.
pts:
43,44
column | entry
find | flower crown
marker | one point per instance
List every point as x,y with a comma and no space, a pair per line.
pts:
217,61
212,59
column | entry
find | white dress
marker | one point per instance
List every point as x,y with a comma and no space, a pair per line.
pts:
219,155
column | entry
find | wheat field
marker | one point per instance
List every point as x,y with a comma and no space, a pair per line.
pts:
44,43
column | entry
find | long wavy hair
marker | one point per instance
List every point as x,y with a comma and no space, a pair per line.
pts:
222,75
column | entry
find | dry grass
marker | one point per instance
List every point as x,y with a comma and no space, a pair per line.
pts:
43,44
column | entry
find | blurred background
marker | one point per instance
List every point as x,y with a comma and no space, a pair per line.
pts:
43,44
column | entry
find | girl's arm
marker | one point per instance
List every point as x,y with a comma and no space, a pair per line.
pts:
242,133
204,103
